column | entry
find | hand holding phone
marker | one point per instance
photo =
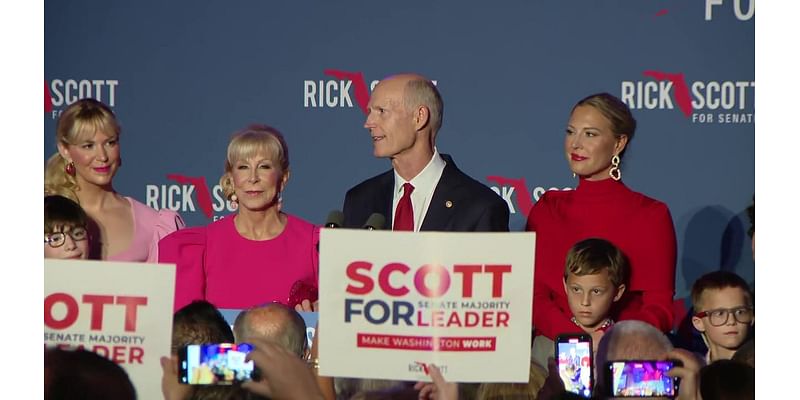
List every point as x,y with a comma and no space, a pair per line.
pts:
171,387
687,372
574,358
285,375
214,364
640,378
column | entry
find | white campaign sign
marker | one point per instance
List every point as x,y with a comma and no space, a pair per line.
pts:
120,310
392,303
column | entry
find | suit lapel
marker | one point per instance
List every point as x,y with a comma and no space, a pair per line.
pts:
442,206
384,196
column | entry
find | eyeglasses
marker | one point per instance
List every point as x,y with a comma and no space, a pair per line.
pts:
57,239
719,317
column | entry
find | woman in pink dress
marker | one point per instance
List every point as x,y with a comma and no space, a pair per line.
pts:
257,255
83,169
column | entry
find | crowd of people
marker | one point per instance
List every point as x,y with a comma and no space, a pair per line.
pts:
604,266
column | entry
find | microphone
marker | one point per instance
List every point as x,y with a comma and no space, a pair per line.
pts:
374,222
335,219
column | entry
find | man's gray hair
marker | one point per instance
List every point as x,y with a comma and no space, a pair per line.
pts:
422,92
632,339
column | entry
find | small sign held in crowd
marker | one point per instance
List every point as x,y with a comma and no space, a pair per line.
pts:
120,310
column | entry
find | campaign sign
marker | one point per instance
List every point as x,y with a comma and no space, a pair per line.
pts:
392,303
120,310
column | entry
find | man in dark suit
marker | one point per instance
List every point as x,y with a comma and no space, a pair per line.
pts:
424,191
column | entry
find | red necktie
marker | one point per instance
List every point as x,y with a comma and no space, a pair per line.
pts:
404,214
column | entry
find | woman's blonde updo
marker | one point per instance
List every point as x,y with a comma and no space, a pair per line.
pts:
617,113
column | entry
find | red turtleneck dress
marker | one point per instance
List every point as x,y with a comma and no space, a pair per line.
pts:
639,226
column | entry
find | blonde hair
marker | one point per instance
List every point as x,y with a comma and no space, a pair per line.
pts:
616,111
591,256
79,121
520,391
250,142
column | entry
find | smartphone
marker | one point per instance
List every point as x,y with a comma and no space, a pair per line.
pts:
640,378
574,358
214,364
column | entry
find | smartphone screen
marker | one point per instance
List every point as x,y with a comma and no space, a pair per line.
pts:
214,364
640,378
574,360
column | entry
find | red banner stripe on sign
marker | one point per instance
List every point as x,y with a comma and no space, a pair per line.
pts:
400,342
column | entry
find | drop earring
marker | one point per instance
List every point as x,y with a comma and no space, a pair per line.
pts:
70,168
615,172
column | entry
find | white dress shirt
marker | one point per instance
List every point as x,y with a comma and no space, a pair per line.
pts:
424,184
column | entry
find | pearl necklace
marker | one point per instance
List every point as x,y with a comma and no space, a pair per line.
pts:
603,327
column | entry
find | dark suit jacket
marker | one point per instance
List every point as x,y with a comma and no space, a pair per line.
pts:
473,206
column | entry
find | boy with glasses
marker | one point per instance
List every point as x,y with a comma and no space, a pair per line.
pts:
725,313
65,234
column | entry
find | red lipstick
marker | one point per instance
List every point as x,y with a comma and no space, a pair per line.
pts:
576,157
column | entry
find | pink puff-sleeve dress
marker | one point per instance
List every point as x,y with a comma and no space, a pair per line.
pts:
215,263
149,226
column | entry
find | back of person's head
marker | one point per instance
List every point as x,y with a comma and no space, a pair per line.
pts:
350,387
84,375
392,393
517,391
79,122
632,340
727,380
275,322
199,322
223,392
629,340
747,353
567,395
593,255
718,280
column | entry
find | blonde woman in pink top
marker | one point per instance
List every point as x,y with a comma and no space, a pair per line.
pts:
83,169
257,255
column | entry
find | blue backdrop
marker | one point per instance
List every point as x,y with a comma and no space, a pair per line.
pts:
182,76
